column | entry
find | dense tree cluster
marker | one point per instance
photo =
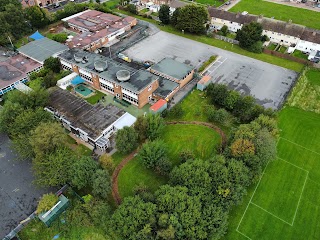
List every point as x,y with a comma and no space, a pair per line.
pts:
250,37
242,107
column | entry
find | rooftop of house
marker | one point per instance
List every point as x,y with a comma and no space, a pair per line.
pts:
172,68
92,119
287,28
42,49
139,79
177,4
9,74
93,20
205,79
165,87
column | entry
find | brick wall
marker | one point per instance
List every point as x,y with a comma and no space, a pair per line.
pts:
186,79
75,69
144,95
95,81
287,56
117,89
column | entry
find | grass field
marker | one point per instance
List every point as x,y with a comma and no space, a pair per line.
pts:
95,98
306,93
285,203
280,12
198,139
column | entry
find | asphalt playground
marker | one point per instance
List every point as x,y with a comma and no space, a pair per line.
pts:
268,84
18,196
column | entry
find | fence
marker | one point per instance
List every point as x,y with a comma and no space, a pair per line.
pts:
288,57
226,39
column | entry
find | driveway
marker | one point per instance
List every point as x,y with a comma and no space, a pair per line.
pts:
18,196
267,83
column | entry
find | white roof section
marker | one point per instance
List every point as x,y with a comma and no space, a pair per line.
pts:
22,87
66,81
74,15
125,120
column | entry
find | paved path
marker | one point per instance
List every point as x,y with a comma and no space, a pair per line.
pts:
115,190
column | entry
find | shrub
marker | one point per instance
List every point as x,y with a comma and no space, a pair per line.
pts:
219,116
186,155
176,111
46,202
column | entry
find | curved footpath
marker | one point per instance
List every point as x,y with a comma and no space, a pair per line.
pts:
115,190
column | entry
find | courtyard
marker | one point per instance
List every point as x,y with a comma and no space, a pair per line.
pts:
267,83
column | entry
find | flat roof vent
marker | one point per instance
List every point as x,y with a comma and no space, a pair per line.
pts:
123,75
100,66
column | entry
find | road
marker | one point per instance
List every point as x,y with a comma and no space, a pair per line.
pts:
18,196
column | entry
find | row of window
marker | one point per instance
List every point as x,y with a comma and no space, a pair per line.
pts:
86,77
129,99
106,87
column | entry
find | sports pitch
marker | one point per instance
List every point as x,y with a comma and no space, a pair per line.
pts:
285,202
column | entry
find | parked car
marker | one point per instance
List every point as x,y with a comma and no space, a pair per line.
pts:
315,60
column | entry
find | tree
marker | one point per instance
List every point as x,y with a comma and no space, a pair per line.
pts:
107,163
82,172
249,36
192,18
101,185
47,138
135,217
36,16
126,140
174,17
154,155
46,202
54,169
155,125
141,126
164,14
242,148
132,8
231,100
52,64
224,30
8,114
60,37
186,155
220,116
176,111
49,80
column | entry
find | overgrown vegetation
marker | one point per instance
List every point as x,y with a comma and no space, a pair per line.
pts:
207,63
305,94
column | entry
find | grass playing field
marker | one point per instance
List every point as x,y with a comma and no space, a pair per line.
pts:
198,139
285,203
280,12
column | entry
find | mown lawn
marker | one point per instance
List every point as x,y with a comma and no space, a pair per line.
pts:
286,203
301,16
224,45
215,3
299,54
95,98
306,93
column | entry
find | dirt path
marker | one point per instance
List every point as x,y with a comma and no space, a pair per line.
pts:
115,190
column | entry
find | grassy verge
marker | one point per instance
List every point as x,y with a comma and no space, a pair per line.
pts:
207,63
95,98
278,11
225,45
306,93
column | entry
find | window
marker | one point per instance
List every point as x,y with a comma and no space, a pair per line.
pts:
107,88
129,98
118,95
150,88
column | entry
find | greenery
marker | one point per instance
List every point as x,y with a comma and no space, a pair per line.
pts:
305,94
280,12
220,116
288,186
52,64
107,163
96,97
250,37
149,126
297,53
37,16
207,63
58,37
126,140
224,30
244,108
154,155
83,171
192,18
46,202
164,14
132,8
101,185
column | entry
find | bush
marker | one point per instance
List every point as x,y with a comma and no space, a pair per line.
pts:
219,116
207,63
126,140
107,163
46,202
186,155
176,111
132,8
60,37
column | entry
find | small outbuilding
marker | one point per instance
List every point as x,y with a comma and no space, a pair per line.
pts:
48,217
159,106
203,83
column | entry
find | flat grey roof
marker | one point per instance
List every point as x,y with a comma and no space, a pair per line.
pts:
165,87
42,49
172,68
93,119
139,79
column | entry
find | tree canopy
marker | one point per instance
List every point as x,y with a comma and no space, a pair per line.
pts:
101,185
52,64
250,37
126,139
164,14
82,172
